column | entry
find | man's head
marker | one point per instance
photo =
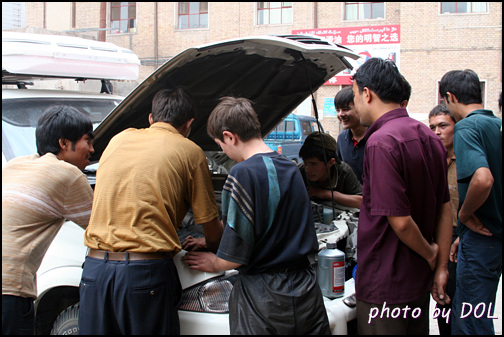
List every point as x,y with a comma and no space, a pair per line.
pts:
67,133
383,78
460,87
235,115
442,123
173,106
232,123
343,102
463,84
317,148
378,82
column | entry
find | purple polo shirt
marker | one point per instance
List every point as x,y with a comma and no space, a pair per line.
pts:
405,173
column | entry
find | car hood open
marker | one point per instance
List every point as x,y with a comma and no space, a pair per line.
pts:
276,73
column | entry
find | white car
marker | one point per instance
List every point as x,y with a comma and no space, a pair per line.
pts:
277,73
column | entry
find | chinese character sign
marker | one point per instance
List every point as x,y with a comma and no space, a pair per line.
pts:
368,41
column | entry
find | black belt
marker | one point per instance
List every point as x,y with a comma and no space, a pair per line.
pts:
128,256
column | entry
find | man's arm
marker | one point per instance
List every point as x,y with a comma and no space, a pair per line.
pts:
348,200
443,236
479,189
77,207
409,233
213,230
207,262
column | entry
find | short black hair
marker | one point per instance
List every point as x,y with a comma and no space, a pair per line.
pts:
384,79
441,109
61,122
464,84
343,98
312,148
406,94
172,105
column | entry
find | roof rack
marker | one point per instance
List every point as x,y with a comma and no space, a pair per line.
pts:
36,56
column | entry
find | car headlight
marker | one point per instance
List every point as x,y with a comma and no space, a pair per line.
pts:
209,296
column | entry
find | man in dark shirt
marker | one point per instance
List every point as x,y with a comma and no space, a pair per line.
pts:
269,234
478,147
350,146
327,178
405,228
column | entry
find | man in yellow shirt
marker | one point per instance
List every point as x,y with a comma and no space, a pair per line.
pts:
146,181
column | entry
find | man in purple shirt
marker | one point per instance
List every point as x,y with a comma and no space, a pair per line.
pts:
405,227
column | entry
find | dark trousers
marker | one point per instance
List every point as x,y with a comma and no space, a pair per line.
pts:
287,302
479,269
129,297
18,315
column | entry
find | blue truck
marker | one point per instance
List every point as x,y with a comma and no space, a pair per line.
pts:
290,134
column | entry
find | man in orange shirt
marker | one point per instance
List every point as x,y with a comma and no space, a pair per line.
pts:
146,181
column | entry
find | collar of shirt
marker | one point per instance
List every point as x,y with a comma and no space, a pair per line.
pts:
165,126
386,117
480,111
349,136
451,160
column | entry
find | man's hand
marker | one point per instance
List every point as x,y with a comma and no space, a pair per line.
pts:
439,286
191,243
408,232
207,262
474,224
203,261
318,193
433,259
454,250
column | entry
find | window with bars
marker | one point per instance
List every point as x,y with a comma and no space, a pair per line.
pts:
463,7
192,15
271,13
122,17
364,10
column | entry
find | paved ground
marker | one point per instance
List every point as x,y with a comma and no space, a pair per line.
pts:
498,313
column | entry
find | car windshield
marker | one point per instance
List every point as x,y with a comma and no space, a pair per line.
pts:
20,116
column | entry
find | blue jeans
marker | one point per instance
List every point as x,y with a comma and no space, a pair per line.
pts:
479,268
129,298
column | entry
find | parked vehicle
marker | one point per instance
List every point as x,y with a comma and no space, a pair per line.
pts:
277,73
290,134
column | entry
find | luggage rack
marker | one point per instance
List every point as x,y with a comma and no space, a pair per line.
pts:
28,56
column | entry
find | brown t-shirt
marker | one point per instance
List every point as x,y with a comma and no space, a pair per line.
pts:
453,186
38,194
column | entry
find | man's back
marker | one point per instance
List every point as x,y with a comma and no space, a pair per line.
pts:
145,183
275,204
38,193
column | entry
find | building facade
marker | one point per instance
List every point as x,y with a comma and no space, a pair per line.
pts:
426,39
